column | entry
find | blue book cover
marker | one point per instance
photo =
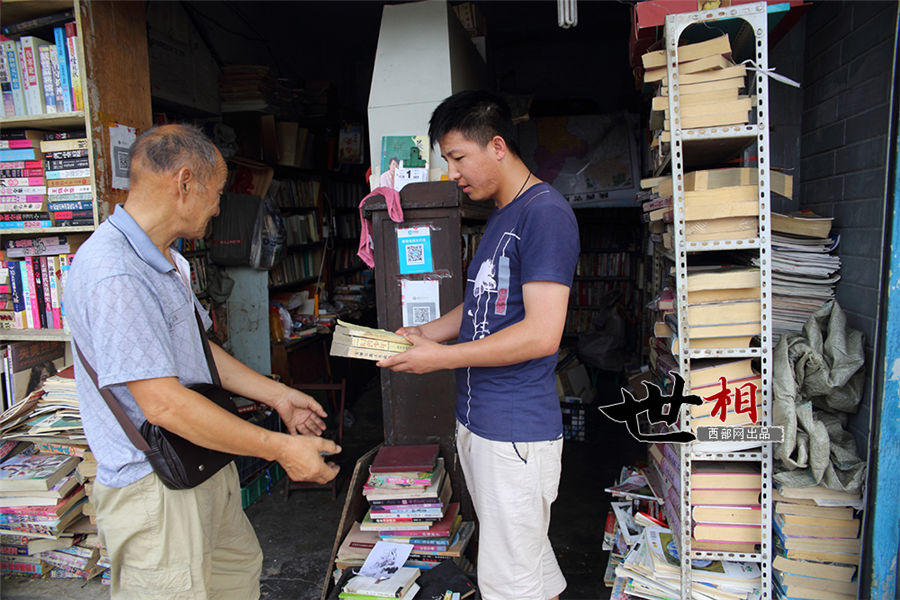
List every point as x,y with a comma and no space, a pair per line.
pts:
12,71
22,224
59,35
15,154
75,205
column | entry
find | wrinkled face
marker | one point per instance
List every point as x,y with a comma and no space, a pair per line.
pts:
204,199
472,166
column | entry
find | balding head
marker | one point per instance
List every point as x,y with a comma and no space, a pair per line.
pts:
168,148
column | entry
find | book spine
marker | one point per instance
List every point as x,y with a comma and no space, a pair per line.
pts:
82,175
66,164
64,145
53,269
33,216
53,448
35,23
15,80
23,207
28,294
65,561
26,190
57,82
74,66
6,182
39,291
15,173
73,215
52,240
59,36
71,197
15,285
46,68
13,567
62,154
8,105
14,550
29,164
69,189
64,262
18,154
385,480
48,300
35,199
78,205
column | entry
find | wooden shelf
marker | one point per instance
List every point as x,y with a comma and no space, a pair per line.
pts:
292,284
34,335
70,119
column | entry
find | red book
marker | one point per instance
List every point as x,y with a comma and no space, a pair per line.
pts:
412,458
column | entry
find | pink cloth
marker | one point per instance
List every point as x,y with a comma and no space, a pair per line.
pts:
395,212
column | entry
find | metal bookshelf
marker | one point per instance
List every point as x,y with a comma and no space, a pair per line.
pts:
705,146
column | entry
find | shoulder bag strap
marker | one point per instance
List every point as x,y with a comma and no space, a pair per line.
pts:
127,426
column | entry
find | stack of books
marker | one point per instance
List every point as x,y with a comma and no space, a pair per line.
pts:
804,269
409,493
401,585
41,77
356,341
652,570
817,543
719,204
709,86
725,506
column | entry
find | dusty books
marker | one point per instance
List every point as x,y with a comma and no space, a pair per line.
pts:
357,341
34,472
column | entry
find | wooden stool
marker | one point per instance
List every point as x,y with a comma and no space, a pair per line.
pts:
337,394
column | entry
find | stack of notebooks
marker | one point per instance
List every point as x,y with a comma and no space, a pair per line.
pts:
817,543
804,269
725,506
356,341
409,493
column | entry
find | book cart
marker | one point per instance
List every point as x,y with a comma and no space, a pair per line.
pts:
690,147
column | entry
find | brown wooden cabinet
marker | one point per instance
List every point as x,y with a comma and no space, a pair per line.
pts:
419,409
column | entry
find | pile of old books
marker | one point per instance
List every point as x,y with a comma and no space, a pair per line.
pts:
356,341
709,86
43,532
652,569
817,543
409,492
804,269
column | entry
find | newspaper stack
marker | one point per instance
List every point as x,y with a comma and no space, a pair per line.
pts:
356,341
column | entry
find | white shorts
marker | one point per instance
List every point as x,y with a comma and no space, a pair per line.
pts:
512,487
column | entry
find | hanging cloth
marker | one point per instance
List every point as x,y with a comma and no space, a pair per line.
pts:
395,212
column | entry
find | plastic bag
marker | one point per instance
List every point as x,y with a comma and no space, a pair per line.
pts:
269,235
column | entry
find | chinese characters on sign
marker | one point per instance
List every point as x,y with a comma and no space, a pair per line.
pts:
660,408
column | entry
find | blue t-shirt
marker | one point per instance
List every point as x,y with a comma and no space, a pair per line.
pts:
533,238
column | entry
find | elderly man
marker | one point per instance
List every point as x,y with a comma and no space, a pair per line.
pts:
132,314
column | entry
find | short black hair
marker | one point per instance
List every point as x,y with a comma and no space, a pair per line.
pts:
478,115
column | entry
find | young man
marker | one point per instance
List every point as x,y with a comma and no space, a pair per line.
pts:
131,311
508,328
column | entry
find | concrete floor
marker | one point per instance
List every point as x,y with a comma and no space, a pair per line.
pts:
297,536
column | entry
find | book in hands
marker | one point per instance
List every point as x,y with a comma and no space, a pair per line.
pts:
357,341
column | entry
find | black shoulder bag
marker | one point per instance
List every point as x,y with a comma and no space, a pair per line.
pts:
180,464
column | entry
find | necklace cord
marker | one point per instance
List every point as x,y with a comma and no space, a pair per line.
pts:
519,193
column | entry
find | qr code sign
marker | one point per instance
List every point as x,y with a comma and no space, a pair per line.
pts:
421,314
415,254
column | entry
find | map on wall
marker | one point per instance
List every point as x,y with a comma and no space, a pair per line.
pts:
588,158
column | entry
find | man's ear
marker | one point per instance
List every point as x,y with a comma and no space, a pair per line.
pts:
184,180
498,147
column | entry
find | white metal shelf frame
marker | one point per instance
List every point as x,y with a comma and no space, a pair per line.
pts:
756,16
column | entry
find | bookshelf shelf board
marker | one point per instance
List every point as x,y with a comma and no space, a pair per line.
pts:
726,352
735,456
30,231
603,278
712,245
292,284
17,11
33,335
69,119
745,557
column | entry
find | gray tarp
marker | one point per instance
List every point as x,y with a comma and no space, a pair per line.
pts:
818,379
